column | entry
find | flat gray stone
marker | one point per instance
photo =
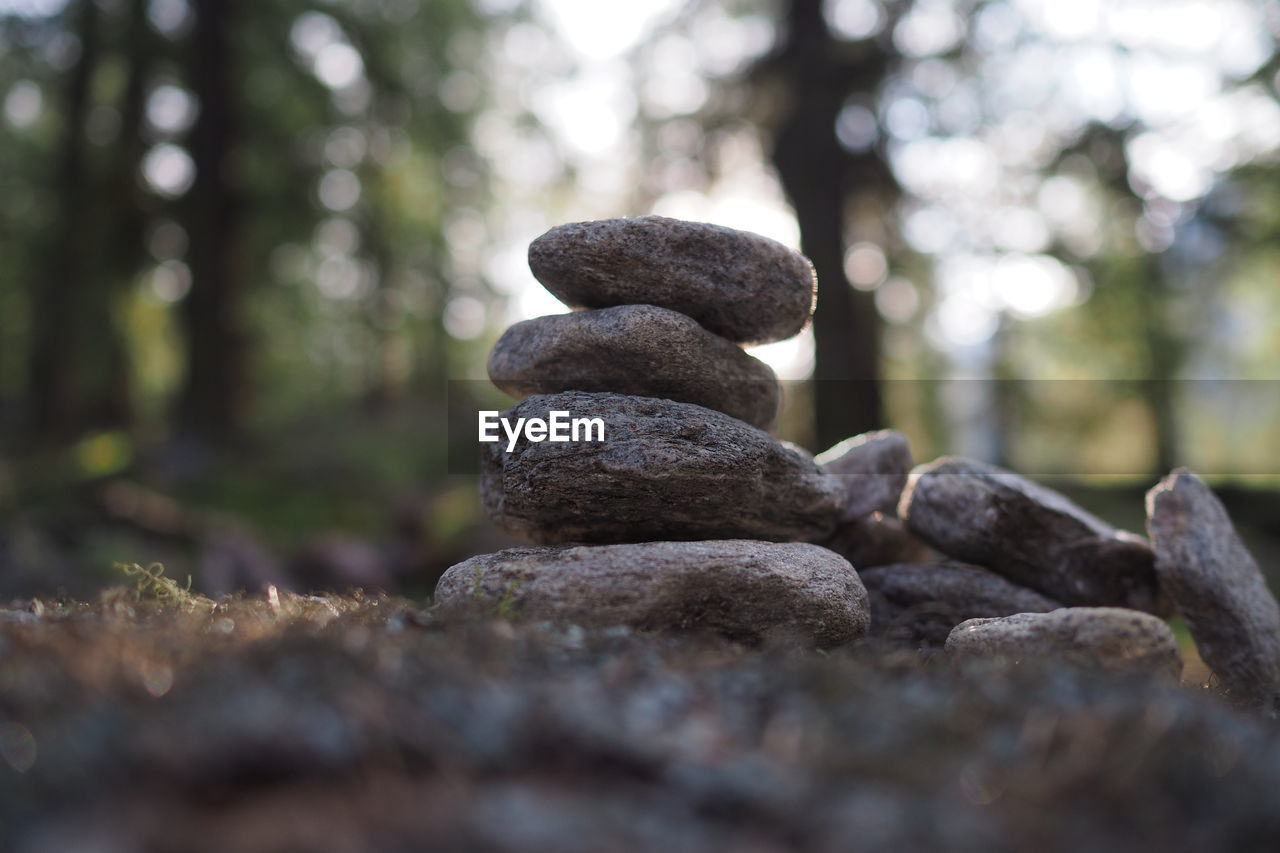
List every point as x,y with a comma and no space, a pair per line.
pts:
740,285
981,514
739,588
877,540
1112,638
665,470
873,467
1216,586
641,350
919,604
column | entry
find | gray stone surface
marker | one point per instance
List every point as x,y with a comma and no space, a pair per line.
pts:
740,588
1216,586
742,286
918,604
634,349
665,470
1112,638
873,467
981,514
877,540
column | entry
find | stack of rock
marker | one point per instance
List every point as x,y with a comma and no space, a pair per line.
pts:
688,514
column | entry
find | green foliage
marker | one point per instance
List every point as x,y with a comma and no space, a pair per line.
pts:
150,584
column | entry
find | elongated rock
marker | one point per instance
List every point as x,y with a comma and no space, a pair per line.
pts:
1112,638
743,589
1216,586
665,470
634,349
873,467
742,286
919,604
981,514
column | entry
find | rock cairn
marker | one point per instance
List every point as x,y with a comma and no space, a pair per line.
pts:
690,515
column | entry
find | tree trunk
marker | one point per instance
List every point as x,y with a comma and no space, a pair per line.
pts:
818,76
125,215
53,393
213,395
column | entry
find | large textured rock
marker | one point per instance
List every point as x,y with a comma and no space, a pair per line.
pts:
1111,637
1216,586
919,604
1032,535
742,286
740,588
877,540
665,470
873,467
634,349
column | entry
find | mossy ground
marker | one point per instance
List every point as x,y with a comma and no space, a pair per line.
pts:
364,723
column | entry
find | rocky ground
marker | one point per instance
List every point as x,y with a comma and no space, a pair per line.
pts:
301,723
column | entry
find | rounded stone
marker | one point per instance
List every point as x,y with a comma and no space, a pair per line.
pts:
641,350
739,588
1112,638
740,285
664,470
919,604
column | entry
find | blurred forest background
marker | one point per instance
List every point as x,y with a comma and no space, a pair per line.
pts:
246,246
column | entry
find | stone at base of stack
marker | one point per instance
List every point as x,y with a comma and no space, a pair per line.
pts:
743,589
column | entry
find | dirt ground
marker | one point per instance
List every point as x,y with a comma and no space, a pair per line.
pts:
335,723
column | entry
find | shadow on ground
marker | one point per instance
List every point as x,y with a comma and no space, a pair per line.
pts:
365,724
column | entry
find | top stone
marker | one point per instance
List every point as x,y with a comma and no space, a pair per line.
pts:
742,286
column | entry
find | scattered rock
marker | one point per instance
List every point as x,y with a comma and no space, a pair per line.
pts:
739,588
634,349
742,286
877,540
665,470
873,467
981,514
920,604
1111,637
1216,586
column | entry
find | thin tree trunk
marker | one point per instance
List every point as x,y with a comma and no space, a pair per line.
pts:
212,401
53,392
817,174
126,213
